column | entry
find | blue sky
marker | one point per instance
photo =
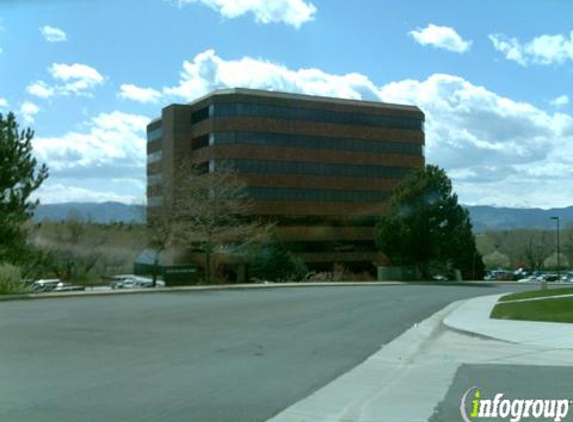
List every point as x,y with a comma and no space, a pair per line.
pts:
494,79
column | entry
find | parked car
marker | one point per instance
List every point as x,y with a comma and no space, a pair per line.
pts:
45,285
67,287
130,281
54,285
528,279
498,275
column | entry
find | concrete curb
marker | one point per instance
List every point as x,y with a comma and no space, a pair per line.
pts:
190,289
377,386
182,289
534,299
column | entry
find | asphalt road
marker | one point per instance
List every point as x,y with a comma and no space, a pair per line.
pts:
235,355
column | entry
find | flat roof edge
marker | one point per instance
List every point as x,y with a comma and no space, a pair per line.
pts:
303,97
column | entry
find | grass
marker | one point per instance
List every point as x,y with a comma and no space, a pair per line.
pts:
549,310
538,293
10,280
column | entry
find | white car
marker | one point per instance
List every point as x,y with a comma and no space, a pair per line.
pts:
54,285
45,285
529,279
130,281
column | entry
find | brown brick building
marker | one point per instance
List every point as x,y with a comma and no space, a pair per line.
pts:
322,167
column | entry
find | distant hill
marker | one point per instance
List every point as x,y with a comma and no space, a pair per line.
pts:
492,218
484,217
103,213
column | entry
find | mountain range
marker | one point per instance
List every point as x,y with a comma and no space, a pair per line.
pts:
484,218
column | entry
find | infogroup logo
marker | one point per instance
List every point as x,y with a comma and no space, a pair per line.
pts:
474,407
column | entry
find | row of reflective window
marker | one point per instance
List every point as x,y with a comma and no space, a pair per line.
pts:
298,194
305,114
325,169
154,201
319,195
154,157
201,114
310,142
154,179
154,134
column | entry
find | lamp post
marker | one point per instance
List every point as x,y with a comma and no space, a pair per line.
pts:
558,263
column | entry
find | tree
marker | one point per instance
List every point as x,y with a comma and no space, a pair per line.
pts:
496,259
275,263
425,227
206,212
20,176
162,224
75,250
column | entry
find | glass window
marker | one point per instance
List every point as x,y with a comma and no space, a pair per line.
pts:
154,134
154,179
154,201
154,157
326,169
320,195
200,142
317,142
200,115
326,116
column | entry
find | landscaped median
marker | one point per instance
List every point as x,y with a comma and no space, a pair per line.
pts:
545,305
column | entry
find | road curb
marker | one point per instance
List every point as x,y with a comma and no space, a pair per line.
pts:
454,326
191,289
184,289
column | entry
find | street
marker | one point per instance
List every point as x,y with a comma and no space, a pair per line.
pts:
233,355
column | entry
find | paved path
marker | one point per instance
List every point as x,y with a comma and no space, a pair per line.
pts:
472,317
202,356
422,375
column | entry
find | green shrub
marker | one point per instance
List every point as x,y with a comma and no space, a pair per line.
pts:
274,263
10,280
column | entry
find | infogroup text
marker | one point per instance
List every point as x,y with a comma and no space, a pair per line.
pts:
473,407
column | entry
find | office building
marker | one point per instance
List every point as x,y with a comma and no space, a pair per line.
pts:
322,168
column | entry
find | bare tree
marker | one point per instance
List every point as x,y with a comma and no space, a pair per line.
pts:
536,248
162,224
207,212
74,251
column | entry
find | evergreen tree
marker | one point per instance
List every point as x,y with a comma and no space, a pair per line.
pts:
426,227
19,177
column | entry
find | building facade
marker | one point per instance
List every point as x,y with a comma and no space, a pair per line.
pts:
322,168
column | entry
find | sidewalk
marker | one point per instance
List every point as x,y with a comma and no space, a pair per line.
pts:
472,317
407,378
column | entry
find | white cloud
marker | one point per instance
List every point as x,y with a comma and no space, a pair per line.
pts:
40,89
290,12
74,79
112,146
52,34
207,72
560,101
3,102
142,95
77,78
497,150
542,50
28,111
511,151
441,37
104,162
